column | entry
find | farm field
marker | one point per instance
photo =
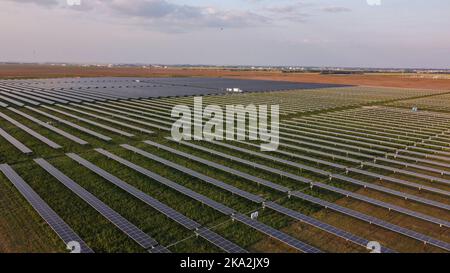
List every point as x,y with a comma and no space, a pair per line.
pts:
91,160
398,80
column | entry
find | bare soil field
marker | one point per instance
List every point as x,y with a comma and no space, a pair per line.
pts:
385,80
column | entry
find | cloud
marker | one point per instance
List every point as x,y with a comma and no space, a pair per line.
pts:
45,3
175,15
336,9
293,13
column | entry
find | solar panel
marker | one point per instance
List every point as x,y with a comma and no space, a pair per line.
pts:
20,98
164,209
81,95
201,198
120,222
306,158
319,185
108,120
276,234
382,204
371,174
159,249
400,181
346,138
222,243
373,220
124,117
337,176
325,154
53,95
331,143
321,225
68,95
128,114
221,167
393,192
31,132
50,127
131,109
71,124
35,95
3,104
205,200
11,101
22,94
43,209
106,127
102,94
157,205
24,149
205,178
347,132
245,162
414,174
415,159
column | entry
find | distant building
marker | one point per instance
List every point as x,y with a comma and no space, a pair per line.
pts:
234,90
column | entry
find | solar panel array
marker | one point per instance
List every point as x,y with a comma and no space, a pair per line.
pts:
31,132
49,127
374,221
339,177
162,208
293,214
213,181
201,198
399,157
19,145
71,124
215,205
60,227
316,184
119,221
276,234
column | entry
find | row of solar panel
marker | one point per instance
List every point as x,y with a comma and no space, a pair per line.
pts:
304,180
144,240
244,194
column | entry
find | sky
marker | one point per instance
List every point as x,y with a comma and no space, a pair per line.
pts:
345,33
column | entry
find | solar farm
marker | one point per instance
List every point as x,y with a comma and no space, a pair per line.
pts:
92,161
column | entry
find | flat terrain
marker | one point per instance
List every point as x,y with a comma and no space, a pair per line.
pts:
352,167
385,80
